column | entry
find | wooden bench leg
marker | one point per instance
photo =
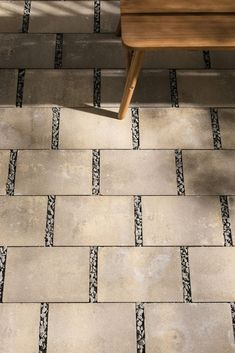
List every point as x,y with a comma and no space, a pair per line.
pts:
132,77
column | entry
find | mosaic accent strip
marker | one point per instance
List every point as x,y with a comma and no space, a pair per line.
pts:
232,305
50,222
93,274
140,328
187,295
97,16
135,128
43,327
26,16
138,221
20,88
58,51
179,172
95,172
174,88
10,185
215,129
55,128
97,88
227,232
3,257
207,59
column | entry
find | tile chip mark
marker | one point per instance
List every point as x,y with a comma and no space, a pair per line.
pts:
10,185
232,305
215,129
135,128
138,221
227,232
43,327
58,51
20,88
26,16
207,59
187,295
174,88
3,256
93,263
96,16
179,172
50,221
140,327
55,128
95,172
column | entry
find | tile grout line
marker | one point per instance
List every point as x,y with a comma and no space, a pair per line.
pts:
227,232
174,88
26,16
10,184
179,172
140,327
135,128
56,112
43,327
58,51
3,257
207,59
232,306
215,129
93,274
187,294
97,16
20,88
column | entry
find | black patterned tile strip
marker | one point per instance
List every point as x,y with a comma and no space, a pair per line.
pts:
55,128
3,257
140,327
232,305
207,59
50,221
58,51
93,265
179,172
20,88
215,129
10,185
43,327
26,16
97,88
227,232
96,172
135,128
97,4
138,221
174,88
187,295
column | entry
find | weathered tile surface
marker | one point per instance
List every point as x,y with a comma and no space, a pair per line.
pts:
46,275
8,84
110,12
4,163
11,16
227,128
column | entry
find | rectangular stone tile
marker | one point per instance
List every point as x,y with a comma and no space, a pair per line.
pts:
138,172
227,128
25,128
139,274
71,88
109,15
175,128
102,328
8,84
152,89
175,220
61,17
53,172
222,59
11,13
27,50
90,128
19,327
22,220
209,172
232,215
94,221
212,274
188,328
4,165
213,88
174,59
46,275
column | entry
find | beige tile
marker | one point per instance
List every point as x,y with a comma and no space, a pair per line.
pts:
212,274
19,327
4,164
22,220
209,172
232,215
173,220
175,128
188,328
71,88
46,275
152,89
213,88
11,13
61,17
227,127
94,221
25,128
97,328
109,15
8,84
139,274
87,129
53,172
138,172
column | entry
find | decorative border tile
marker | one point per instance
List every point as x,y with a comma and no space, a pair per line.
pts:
215,129
10,185
96,16
3,257
140,327
93,262
20,88
179,172
138,221
95,172
227,232
135,128
174,88
26,16
50,221
55,128
207,59
43,327
58,51
187,295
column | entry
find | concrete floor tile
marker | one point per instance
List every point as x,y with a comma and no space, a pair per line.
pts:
11,13
4,165
227,128
8,85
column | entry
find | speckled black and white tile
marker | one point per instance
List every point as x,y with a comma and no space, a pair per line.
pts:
95,172
50,221
227,232
97,16
3,256
43,327
10,185
174,88
138,221
135,128
26,16
140,328
215,129
20,88
93,263
186,281
55,128
97,88
232,305
179,172
207,59
58,51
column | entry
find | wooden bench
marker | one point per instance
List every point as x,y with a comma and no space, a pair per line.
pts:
172,24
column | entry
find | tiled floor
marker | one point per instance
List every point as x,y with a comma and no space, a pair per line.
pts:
115,236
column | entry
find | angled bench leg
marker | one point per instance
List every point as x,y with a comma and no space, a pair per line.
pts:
132,77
